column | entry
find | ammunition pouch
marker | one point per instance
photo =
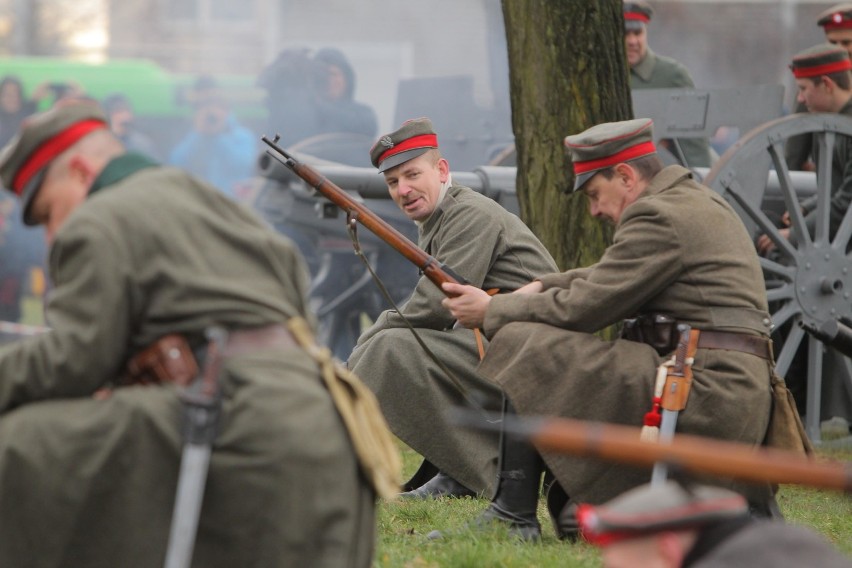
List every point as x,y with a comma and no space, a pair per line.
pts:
657,330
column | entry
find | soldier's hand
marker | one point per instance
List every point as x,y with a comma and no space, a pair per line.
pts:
765,244
533,287
467,304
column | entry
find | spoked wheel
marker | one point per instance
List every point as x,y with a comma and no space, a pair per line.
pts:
809,280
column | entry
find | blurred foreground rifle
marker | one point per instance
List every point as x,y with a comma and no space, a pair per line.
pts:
832,333
432,269
688,453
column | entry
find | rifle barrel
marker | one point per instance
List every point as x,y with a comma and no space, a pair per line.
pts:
427,264
695,454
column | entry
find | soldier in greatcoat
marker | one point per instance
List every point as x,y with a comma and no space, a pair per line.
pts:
90,446
649,70
487,246
679,251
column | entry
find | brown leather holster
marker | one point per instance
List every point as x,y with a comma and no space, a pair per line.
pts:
657,330
167,360
170,359
661,332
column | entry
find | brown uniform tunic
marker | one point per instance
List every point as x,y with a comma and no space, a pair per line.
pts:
679,250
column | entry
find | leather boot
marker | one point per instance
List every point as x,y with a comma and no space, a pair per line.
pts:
767,509
515,500
563,511
442,485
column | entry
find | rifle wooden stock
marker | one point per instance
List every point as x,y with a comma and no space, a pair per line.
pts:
428,265
694,454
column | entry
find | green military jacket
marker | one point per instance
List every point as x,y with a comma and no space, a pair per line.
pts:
660,72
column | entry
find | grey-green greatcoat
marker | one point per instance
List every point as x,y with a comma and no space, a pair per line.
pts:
87,482
679,249
490,248
660,72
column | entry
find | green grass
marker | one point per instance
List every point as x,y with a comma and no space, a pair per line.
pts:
403,526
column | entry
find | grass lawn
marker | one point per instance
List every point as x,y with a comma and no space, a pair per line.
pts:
403,526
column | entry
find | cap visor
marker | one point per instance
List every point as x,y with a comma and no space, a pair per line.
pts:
28,195
582,178
401,158
633,25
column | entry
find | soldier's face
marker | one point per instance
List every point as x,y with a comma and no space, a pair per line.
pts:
416,185
815,96
608,198
843,38
660,550
64,188
636,45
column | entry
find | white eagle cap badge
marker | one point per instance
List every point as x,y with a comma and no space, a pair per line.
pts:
386,142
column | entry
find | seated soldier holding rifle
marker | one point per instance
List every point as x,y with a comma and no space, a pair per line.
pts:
487,246
680,255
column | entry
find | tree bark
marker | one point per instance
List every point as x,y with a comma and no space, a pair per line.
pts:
568,71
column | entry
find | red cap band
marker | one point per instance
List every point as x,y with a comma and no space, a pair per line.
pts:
421,141
844,25
636,16
819,70
837,22
50,149
636,151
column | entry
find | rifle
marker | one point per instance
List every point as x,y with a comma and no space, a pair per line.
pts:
833,333
435,271
689,453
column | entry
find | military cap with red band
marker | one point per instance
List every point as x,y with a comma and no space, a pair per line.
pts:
636,15
608,144
43,137
820,60
838,17
414,138
650,509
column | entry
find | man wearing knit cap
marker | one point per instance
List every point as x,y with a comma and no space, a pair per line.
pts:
651,71
90,438
488,247
680,254
672,525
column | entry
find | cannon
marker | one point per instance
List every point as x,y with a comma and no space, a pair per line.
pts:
808,291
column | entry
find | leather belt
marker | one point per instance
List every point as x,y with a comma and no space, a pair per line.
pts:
743,342
252,339
170,359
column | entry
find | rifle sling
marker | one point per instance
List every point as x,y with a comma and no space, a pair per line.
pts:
352,226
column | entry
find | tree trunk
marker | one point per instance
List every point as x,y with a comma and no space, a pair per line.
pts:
568,72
